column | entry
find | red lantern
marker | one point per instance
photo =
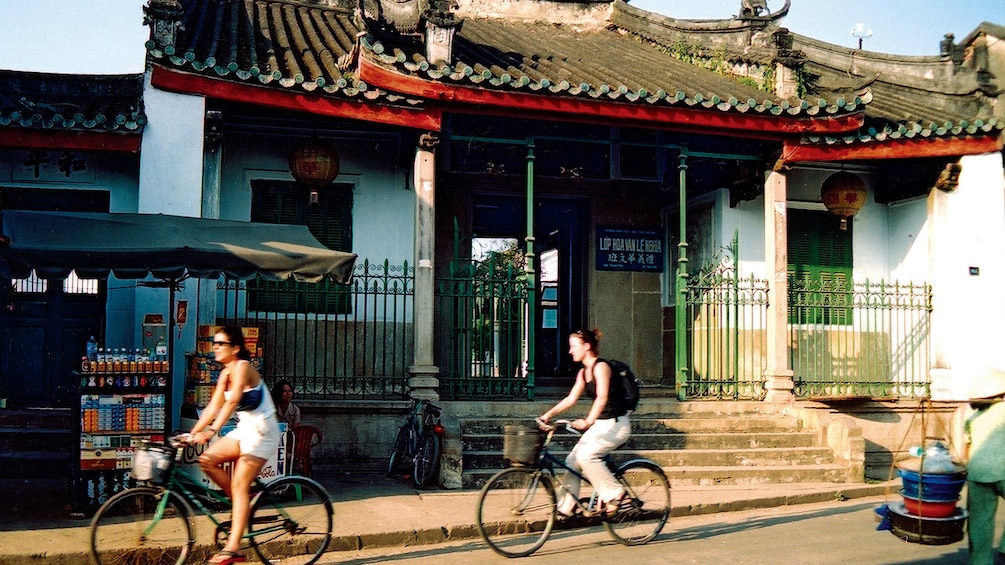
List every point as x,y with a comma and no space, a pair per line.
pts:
843,194
315,165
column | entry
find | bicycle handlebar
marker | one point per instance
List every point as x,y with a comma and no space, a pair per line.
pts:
555,425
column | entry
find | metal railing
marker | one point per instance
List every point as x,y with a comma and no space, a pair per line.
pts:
868,339
331,341
727,336
481,334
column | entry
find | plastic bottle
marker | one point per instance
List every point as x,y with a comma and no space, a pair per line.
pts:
92,349
161,349
938,459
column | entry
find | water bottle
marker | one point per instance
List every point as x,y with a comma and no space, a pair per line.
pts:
938,459
161,349
92,349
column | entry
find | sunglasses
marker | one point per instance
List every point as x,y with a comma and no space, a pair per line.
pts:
222,343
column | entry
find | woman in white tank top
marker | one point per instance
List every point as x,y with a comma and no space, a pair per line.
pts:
239,389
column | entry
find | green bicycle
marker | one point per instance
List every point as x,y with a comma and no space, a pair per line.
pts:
290,521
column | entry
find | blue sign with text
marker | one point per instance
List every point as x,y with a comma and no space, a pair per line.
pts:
629,249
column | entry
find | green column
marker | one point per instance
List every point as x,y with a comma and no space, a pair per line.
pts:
531,278
680,317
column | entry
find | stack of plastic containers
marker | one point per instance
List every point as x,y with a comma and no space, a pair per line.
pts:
931,484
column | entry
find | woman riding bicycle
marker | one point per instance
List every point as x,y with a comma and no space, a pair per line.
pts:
256,438
605,427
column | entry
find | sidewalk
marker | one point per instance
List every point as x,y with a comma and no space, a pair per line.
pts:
374,511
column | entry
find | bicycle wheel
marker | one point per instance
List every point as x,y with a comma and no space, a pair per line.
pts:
399,451
516,511
647,507
291,521
134,527
427,460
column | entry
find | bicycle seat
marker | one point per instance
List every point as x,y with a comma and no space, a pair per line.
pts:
433,409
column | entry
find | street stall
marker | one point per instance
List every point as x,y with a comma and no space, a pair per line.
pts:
124,401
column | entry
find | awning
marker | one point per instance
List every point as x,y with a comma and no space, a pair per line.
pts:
134,246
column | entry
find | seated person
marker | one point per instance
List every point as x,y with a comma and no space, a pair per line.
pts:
286,410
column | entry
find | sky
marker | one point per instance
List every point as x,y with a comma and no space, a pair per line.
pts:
107,36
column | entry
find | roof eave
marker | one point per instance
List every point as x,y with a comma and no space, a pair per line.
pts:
24,138
443,93
188,83
794,152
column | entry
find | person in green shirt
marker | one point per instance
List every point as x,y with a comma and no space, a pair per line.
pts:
985,435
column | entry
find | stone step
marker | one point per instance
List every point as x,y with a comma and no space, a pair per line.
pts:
686,457
717,475
26,439
747,424
36,418
655,407
35,464
494,442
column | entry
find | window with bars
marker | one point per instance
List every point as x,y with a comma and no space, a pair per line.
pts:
820,269
330,220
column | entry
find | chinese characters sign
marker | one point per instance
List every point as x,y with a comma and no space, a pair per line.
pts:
627,249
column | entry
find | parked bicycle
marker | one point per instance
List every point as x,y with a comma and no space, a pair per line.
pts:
517,507
419,442
290,521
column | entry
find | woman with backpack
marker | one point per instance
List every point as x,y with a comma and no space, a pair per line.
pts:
604,428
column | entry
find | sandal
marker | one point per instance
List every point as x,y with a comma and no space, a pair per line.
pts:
226,557
614,506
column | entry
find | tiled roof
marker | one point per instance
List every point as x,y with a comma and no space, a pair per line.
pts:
104,103
897,105
301,47
911,97
599,63
286,45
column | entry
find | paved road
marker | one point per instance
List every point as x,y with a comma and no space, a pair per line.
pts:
824,533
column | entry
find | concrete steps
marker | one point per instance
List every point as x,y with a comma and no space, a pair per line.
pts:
36,443
697,444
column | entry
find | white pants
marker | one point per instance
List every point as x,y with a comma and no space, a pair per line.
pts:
603,437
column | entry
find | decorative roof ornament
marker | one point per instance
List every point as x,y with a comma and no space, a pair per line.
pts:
441,26
165,20
750,10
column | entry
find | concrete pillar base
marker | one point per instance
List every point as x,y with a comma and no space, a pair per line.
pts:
779,385
424,382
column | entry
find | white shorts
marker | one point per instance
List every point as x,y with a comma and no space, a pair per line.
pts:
257,435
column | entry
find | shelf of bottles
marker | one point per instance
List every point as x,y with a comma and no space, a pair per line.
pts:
124,395
201,376
202,369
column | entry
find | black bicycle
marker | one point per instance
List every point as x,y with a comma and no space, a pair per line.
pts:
419,442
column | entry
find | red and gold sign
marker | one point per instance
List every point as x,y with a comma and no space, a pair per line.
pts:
843,194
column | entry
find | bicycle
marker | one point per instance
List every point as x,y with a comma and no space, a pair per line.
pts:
517,507
420,441
290,519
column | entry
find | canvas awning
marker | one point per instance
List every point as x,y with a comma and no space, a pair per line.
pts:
135,246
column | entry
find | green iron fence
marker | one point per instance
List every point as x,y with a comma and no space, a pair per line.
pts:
727,336
482,330
868,339
331,341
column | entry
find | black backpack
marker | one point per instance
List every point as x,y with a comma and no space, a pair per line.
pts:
625,386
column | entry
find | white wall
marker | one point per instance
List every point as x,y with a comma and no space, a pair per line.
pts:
967,229
383,202
171,174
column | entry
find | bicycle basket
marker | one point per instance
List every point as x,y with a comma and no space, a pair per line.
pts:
152,463
521,445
